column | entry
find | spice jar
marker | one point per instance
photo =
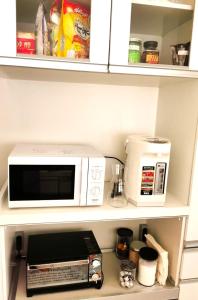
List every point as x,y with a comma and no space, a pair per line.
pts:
124,238
127,273
134,251
135,48
147,266
150,54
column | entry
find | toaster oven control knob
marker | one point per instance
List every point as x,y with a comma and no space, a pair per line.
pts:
95,277
96,263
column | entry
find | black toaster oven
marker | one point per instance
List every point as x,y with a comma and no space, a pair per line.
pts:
63,261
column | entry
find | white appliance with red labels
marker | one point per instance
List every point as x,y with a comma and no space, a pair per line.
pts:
55,175
146,170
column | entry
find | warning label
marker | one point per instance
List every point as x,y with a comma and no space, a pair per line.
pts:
148,178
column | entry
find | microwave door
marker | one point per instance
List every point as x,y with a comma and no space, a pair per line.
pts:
46,184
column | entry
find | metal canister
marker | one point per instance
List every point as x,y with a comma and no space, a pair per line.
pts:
135,247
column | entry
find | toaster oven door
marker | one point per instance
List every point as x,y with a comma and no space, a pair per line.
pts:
57,274
45,184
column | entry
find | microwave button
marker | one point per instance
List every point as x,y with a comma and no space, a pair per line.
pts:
96,174
95,191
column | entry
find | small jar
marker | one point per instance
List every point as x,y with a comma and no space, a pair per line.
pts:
127,273
134,251
150,54
124,238
147,266
135,49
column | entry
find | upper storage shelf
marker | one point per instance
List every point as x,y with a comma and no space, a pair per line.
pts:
171,24
56,34
156,33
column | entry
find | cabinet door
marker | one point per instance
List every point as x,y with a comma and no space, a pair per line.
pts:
120,32
20,16
188,290
8,28
100,31
188,265
169,23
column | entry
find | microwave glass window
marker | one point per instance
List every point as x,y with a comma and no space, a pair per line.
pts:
41,182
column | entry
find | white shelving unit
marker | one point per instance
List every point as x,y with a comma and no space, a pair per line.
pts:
166,223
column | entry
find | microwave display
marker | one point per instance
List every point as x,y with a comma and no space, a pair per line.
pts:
41,182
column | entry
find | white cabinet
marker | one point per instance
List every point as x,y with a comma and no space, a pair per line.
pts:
22,15
167,22
189,266
188,290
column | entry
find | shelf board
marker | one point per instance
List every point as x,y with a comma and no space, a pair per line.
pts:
185,5
22,216
52,63
154,70
110,290
131,69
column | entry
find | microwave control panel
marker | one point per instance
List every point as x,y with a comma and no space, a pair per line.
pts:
96,176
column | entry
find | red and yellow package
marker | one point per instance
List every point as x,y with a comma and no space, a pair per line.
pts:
74,32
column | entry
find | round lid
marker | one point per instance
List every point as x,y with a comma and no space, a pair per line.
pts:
148,253
124,232
132,39
156,140
137,245
151,45
127,265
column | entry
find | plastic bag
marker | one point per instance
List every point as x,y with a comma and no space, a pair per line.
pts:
41,31
74,32
55,17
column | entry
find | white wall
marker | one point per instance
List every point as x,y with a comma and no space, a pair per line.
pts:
177,118
73,112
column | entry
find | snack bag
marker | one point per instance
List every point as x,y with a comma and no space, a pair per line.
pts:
74,33
55,17
41,31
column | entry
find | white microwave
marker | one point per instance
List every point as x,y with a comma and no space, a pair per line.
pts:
55,175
